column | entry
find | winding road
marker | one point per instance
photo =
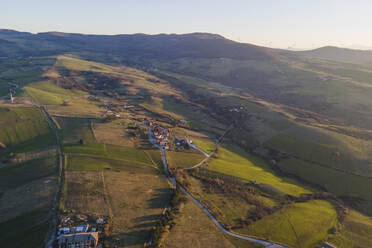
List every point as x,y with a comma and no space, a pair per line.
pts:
210,215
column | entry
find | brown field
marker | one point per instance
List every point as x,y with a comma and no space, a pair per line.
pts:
84,193
194,229
28,197
112,133
137,200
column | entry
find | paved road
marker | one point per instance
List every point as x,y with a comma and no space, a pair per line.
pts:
203,152
51,234
210,215
197,148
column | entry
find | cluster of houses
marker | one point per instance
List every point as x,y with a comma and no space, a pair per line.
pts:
236,109
80,236
161,135
110,112
182,143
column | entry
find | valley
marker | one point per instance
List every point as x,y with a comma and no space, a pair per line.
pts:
217,145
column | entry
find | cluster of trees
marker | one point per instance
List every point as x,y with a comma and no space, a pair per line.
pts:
167,220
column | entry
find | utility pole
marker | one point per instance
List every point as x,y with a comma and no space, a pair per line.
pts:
11,96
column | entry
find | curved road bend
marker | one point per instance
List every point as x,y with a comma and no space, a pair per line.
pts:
203,152
210,215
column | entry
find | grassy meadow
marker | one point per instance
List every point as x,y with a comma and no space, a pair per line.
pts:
120,153
353,185
183,159
231,160
15,175
298,225
24,129
31,227
48,93
75,129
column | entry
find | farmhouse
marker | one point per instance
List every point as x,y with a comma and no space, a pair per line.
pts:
81,240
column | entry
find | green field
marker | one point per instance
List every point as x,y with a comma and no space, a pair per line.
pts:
75,129
24,129
66,62
356,231
233,161
347,155
296,225
183,159
13,176
47,93
352,185
121,153
26,231
204,144
193,228
88,163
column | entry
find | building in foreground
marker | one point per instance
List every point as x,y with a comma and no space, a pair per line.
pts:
78,240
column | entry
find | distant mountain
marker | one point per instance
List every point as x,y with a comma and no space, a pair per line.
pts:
341,54
162,46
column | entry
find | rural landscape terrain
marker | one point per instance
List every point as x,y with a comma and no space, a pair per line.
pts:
183,141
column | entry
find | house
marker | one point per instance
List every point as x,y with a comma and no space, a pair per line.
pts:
328,245
82,228
63,230
100,221
78,240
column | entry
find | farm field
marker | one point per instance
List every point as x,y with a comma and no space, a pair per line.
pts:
31,226
13,176
355,186
294,224
194,229
184,159
38,194
229,207
233,161
47,93
75,129
113,133
121,153
137,199
84,193
27,196
356,231
207,145
24,129
350,155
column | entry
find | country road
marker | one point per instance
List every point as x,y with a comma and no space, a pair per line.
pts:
210,215
51,235
208,156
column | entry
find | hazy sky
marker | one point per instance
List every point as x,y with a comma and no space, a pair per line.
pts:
274,23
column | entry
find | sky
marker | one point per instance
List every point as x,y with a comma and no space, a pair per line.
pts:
294,24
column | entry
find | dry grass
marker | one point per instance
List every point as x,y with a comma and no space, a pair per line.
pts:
28,197
84,193
194,229
112,133
137,200
77,107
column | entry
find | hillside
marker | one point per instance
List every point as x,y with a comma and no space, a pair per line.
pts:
343,55
276,146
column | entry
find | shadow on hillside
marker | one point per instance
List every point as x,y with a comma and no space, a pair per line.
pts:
160,198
